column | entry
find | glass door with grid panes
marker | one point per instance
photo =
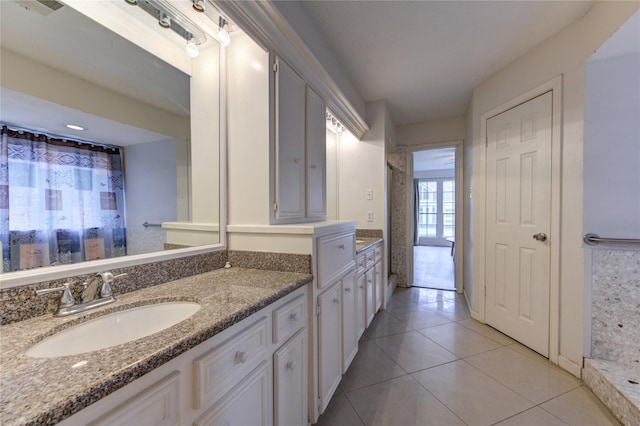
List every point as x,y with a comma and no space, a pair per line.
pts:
436,208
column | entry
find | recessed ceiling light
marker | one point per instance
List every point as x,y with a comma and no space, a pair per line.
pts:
75,127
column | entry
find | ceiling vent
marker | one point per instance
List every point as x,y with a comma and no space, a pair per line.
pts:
43,7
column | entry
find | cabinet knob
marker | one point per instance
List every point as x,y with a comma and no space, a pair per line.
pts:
313,167
360,286
293,316
341,246
240,357
291,365
297,160
336,300
348,289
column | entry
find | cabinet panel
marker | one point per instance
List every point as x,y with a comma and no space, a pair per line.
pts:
369,296
290,143
290,382
157,405
289,318
335,256
220,368
248,403
316,142
360,302
349,320
379,284
329,344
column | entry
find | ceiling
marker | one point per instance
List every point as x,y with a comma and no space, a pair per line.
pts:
425,57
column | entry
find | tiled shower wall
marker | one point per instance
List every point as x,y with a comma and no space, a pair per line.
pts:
615,308
398,199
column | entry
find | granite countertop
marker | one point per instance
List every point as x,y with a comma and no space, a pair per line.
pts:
47,390
363,243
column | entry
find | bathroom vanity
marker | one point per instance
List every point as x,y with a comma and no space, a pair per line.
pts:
245,345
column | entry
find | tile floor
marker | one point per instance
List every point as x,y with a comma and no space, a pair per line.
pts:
424,361
433,267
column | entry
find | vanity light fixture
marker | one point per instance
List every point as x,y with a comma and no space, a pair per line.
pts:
198,5
75,127
164,21
223,35
192,49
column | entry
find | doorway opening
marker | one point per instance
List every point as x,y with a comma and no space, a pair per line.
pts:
434,218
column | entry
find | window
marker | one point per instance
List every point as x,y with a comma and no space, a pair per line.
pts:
436,208
60,201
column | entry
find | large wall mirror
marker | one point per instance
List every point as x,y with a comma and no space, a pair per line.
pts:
152,111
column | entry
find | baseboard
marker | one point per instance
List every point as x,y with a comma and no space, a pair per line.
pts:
570,366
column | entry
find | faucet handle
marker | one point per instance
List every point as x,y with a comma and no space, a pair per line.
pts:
107,279
66,300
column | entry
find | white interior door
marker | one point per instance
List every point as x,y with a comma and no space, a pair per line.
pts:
518,222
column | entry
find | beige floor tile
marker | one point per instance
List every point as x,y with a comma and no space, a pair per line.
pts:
535,380
371,365
459,340
454,310
385,324
486,331
536,416
400,401
472,395
339,412
417,319
520,348
414,352
580,407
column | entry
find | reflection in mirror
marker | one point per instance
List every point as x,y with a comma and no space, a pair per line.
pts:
158,118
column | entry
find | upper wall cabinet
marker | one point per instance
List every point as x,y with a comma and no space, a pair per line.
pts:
300,149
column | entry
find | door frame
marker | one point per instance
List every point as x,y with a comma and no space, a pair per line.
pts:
479,229
409,189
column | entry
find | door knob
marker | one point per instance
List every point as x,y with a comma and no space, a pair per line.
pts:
540,236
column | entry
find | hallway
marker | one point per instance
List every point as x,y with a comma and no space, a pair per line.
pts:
433,267
424,361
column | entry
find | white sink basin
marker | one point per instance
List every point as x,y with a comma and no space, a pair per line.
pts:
113,329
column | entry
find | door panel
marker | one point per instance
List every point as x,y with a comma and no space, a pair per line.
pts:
518,207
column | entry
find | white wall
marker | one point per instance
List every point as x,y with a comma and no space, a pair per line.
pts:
248,152
361,166
562,55
445,130
150,193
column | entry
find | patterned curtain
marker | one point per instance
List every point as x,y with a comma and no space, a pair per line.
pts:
60,201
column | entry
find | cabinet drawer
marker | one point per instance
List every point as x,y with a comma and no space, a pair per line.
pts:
369,259
289,318
336,254
361,263
219,369
378,253
157,405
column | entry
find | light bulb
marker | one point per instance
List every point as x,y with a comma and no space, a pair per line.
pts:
223,37
192,50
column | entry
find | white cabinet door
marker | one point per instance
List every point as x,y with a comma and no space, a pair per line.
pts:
290,382
360,309
316,143
248,403
329,344
370,296
379,284
349,320
290,143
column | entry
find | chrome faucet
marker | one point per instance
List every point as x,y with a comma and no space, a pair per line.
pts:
93,294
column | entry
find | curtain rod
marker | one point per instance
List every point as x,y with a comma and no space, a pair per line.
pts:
18,128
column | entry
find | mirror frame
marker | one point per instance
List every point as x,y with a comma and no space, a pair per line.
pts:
50,273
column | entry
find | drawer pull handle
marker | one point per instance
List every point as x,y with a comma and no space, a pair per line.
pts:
336,300
293,316
348,289
291,365
369,281
240,357
360,286
341,246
